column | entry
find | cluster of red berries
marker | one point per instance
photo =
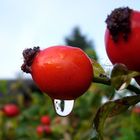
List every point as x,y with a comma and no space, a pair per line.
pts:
44,128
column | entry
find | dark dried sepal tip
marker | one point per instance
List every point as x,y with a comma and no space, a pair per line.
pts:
119,22
28,55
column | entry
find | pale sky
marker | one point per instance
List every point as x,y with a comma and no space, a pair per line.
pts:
44,23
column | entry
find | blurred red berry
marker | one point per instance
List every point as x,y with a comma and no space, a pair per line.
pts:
43,130
40,130
47,129
45,120
11,110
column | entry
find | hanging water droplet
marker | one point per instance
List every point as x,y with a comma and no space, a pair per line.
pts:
63,107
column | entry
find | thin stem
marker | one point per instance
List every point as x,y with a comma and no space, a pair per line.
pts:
133,89
107,81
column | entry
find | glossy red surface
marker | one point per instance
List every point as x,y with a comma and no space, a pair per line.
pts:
63,72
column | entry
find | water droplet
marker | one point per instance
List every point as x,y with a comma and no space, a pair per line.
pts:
63,107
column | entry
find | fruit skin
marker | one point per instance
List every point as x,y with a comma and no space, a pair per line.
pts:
45,120
63,72
126,52
47,129
43,129
40,130
11,110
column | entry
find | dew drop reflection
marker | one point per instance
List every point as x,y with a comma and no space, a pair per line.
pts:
63,107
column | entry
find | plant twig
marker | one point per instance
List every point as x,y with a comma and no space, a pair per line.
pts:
107,81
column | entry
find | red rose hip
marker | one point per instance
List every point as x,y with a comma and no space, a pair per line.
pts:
122,37
63,72
40,130
11,110
45,120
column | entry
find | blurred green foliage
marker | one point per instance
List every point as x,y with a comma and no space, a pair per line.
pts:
76,126
77,39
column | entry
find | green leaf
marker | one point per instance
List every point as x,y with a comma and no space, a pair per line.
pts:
100,118
111,109
132,74
123,104
98,69
119,77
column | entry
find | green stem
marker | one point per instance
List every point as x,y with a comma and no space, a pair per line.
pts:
107,81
